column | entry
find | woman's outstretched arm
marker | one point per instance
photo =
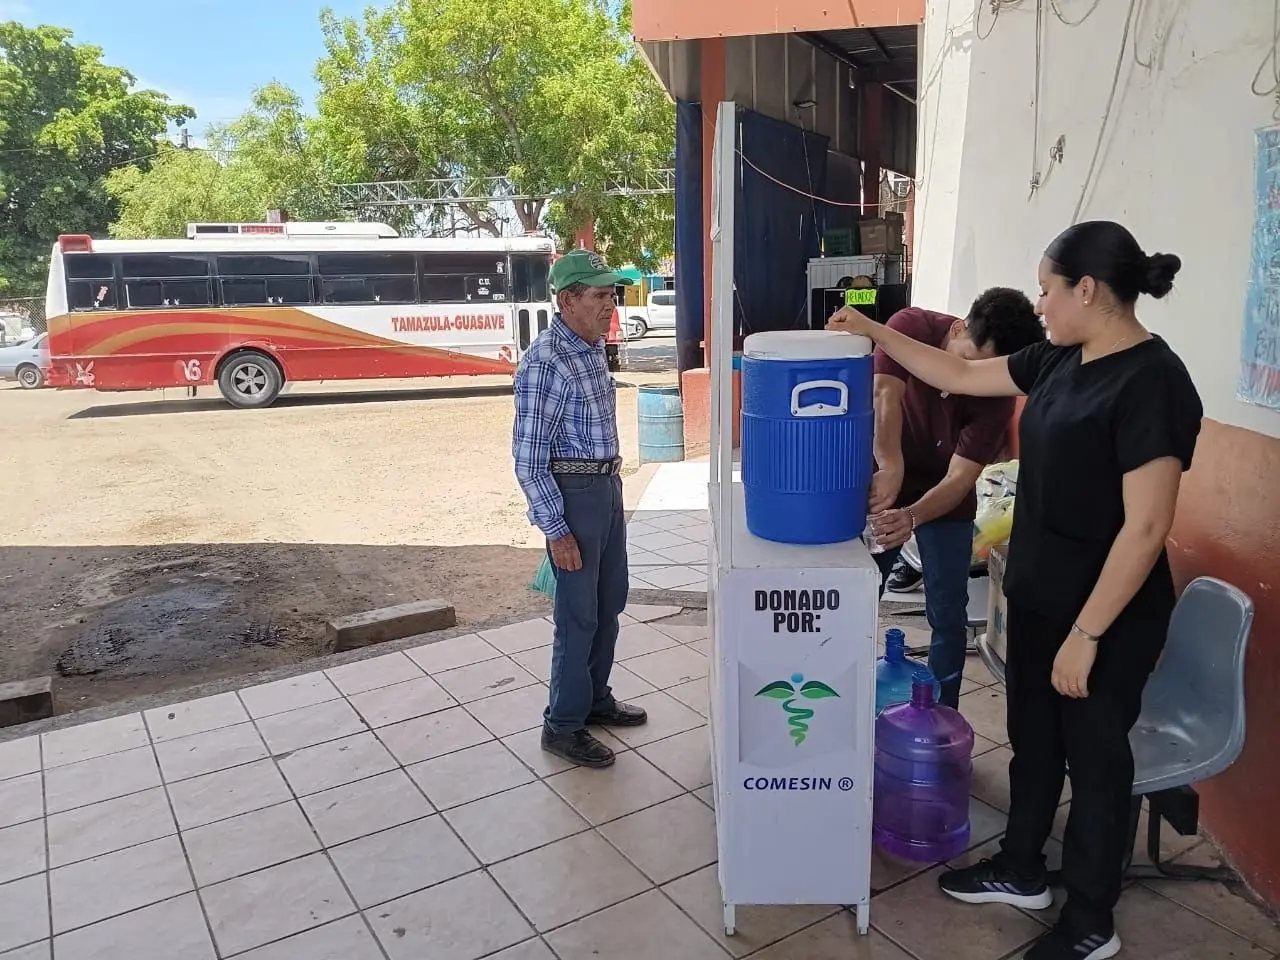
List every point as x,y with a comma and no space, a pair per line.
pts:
938,368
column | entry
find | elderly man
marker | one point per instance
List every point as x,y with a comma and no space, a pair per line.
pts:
565,445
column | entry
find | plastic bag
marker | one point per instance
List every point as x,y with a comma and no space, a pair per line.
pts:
992,525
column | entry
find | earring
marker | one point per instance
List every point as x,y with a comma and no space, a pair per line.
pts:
1086,303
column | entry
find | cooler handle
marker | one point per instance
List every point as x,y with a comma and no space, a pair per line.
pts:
820,409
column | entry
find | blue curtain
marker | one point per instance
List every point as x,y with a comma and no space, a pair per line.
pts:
778,230
690,301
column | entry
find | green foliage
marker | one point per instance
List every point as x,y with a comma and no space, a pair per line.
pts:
548,93
267,159
183,186
66,121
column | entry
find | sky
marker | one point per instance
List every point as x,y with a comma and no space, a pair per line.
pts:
208,54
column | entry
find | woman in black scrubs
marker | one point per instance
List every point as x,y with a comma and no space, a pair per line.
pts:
1110,424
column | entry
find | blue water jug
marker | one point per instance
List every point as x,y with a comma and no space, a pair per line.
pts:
895,673
806,435
923,775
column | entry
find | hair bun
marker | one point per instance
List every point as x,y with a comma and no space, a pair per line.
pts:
1160,269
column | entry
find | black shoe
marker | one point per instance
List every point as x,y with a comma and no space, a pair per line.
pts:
618,715
989,881
1062,944
902,579
579,748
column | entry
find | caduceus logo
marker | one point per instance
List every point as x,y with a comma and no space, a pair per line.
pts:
798,717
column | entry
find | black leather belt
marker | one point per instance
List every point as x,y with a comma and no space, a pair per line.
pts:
590,468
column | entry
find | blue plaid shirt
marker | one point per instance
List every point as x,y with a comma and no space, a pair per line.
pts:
566,409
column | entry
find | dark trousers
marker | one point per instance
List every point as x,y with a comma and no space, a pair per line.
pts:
1050,733
946,549
588,601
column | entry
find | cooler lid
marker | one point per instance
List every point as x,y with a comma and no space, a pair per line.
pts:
805,345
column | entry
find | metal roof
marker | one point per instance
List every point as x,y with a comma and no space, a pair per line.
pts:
886,54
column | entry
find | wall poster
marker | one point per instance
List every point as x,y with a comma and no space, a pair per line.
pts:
1260,344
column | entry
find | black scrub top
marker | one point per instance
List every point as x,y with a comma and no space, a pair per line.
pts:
1086,425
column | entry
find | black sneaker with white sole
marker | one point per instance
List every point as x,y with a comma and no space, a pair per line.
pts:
1064,944
990,881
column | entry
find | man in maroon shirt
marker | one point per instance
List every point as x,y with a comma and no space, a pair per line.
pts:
930,448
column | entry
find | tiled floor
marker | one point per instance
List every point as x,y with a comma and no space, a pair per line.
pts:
399,808
667,533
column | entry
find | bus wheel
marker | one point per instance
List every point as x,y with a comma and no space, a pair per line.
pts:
250,379
30,378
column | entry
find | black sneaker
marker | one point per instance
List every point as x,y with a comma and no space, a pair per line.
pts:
1062,944
579,748
902,579
989,881
618,715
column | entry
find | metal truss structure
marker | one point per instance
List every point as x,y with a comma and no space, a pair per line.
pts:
482,191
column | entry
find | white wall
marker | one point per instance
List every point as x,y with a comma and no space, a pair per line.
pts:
1176,162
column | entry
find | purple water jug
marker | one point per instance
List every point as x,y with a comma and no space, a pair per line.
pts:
924,771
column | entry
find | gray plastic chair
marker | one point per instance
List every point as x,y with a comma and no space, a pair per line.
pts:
1192,723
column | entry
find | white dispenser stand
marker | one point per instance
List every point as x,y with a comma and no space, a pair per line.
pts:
792,667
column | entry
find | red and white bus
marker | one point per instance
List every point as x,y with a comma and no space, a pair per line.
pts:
251,307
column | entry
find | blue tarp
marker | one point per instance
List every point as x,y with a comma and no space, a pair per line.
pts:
689,252
777,230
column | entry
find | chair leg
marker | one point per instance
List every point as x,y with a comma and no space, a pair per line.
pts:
1158,869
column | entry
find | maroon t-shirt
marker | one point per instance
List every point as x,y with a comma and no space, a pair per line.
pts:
936,426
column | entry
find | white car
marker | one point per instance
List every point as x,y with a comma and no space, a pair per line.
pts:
27,362
658,314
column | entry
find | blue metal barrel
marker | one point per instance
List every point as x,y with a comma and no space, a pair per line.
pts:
660,418
807,419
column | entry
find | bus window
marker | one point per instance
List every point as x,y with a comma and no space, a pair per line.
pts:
463,278
250,291
529,278
265,279
264,265
368,290
486,289
166,280
367,278
439,288
91,283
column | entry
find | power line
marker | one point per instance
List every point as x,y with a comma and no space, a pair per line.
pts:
454,191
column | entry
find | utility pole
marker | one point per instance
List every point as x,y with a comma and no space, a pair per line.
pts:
185,141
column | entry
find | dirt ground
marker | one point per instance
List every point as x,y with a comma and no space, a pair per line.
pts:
149,541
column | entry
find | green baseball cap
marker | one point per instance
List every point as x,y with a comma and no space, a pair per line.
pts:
584,266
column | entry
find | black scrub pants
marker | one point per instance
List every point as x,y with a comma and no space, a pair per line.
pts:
1050,733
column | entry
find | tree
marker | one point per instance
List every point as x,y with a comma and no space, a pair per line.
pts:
181,187
267,159
547,93
66,121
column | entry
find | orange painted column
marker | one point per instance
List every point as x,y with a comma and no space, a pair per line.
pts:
585,239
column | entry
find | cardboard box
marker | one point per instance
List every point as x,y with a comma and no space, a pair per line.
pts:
997,610
880,237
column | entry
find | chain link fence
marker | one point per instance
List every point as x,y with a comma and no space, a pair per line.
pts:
20,314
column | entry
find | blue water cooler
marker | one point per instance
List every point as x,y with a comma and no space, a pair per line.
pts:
807,420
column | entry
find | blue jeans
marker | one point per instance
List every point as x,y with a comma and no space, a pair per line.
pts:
588,602
946,549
